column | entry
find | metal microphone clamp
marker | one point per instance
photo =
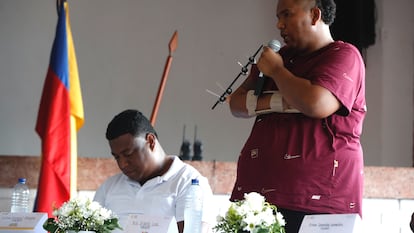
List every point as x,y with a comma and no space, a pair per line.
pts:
244,71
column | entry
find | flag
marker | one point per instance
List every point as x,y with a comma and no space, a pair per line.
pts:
59,118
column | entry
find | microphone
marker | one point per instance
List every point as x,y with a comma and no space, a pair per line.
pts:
275,46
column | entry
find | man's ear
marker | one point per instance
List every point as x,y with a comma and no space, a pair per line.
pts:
316,15
151,139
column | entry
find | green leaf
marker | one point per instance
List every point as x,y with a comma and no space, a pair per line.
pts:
50,225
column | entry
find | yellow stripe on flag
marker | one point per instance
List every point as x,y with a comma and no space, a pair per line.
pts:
76,104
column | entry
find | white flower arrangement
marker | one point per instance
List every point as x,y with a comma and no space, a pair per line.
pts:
253,214
81,214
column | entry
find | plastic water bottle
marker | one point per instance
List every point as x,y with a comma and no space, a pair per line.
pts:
20,197
193,211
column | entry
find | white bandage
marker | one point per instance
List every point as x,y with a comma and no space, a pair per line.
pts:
276,104
251,103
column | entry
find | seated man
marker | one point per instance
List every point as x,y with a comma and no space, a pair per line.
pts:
151,182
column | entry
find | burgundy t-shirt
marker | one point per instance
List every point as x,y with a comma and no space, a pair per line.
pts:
307,164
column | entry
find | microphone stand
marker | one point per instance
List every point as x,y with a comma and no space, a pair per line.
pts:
243,71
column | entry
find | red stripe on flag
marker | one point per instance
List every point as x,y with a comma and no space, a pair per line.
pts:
53,127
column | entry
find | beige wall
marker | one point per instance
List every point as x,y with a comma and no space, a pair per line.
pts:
122,47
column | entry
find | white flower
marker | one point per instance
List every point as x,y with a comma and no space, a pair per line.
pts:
254,201
253,214
280,219
81,214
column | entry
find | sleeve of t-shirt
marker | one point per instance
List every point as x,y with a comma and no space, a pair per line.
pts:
100,195
341,72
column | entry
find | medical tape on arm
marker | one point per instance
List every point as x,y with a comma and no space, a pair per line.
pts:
251,103
275,104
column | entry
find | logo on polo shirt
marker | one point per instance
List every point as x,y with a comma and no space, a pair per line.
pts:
288,156
254,153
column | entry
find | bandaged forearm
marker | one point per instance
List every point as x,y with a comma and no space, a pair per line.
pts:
275,104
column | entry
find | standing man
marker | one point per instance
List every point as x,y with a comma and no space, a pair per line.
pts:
151,182
304,153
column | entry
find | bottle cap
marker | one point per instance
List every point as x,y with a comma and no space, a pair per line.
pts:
22,180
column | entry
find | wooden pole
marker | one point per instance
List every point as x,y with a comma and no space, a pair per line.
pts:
172,47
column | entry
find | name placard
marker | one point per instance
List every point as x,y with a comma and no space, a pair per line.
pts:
331,223
22,222
142,223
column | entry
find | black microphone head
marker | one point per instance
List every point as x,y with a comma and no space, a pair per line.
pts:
274,45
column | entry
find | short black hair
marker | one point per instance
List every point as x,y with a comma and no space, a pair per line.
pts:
129,121
328,9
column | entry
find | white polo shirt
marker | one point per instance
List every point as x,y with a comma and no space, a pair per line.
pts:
162,195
